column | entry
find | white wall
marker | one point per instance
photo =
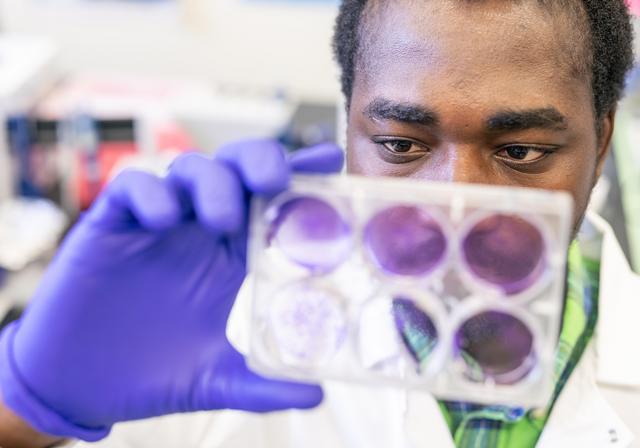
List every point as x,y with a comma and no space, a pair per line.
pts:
255,43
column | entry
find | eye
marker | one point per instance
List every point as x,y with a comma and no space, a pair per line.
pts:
523,154
399,146
399,150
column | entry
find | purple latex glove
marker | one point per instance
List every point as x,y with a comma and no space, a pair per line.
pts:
129,321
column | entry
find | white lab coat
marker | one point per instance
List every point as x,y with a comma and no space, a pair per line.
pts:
599,406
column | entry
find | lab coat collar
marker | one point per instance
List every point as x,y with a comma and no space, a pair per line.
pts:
581,415
617,331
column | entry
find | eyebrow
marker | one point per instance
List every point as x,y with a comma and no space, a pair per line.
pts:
520,120
502,121
384,109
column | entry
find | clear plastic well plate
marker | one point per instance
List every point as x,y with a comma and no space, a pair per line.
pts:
454,289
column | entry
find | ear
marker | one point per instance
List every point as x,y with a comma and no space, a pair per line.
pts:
604,140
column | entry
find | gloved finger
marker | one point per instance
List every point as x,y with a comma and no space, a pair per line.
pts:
261,164
137,196
322,158
233,386
212,190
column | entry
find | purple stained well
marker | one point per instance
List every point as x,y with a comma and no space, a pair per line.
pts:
405,240
311,233
496,345
506,251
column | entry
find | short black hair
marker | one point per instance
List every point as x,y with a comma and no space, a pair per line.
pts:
610,45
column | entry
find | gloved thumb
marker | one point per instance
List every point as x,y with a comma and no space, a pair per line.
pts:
231,385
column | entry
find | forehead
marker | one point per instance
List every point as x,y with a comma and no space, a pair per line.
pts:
492,51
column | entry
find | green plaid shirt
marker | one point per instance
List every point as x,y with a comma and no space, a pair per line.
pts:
477,426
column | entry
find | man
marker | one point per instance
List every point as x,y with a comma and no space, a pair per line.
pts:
130,321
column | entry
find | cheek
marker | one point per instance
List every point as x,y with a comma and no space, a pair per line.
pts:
573,172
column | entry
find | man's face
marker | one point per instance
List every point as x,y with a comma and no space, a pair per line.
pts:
476,92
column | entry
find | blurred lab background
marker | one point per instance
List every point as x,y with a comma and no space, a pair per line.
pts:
89,87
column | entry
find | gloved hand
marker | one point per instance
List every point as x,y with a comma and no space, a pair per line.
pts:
129,321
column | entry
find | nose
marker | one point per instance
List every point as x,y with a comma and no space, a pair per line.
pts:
458,163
